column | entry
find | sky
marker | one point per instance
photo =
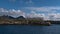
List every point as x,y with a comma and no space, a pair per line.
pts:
48,9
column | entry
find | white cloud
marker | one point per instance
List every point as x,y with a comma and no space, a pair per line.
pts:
14,12
57,16
57,8
54,16
35,15
11,12
50,12
43,9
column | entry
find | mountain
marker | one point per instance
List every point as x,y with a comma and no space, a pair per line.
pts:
6,17
20,17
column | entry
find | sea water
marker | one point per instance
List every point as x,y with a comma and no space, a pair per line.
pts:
29,29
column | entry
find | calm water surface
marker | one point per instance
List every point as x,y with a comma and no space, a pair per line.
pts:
27,29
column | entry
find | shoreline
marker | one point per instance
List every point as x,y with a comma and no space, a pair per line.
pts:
27,24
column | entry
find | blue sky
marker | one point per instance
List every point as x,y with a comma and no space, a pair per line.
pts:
17,4
31,8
